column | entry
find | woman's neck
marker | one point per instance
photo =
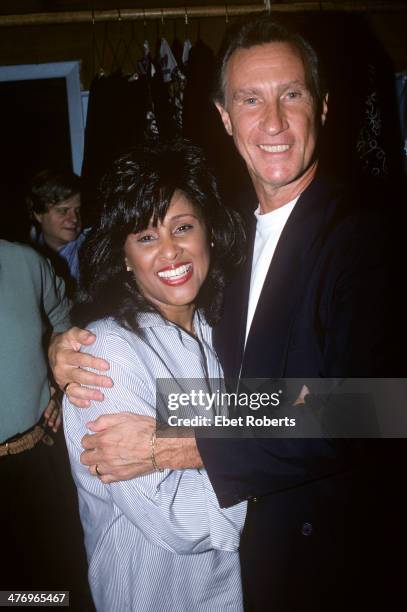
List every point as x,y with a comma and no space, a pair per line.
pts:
183,316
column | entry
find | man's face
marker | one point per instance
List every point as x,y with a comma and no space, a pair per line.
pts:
270,113
61,223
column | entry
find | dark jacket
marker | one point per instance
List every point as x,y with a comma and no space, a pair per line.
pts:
314,504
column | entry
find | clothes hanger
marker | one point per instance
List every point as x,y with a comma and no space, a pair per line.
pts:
187,43
97,57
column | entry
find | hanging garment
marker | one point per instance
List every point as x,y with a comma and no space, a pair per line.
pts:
202,124
401,88
177,48
167,92
186,50
199,114
178,83
167,60
116,121
145,66
146,70
361,137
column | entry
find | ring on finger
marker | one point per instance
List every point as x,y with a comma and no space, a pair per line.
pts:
65,389
98,474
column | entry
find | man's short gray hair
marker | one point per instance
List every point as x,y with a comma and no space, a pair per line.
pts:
261,31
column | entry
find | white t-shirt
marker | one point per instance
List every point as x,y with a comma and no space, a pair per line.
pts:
268,231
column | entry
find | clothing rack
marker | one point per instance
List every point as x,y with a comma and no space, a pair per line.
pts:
225,10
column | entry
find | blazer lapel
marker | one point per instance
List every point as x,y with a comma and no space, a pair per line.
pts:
229,334
267,343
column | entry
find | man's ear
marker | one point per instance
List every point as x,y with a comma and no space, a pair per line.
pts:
225,118
324,109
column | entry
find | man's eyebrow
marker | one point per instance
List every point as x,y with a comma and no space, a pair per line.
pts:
251,91
294,83
245,91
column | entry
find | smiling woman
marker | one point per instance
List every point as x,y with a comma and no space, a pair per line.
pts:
153,275
160,210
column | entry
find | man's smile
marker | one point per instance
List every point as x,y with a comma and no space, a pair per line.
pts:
278,148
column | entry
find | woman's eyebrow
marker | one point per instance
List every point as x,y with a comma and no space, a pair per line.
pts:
61,205
176,217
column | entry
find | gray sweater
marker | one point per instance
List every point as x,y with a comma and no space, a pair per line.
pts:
32,306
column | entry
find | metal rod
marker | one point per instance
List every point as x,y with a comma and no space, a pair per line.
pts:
193,11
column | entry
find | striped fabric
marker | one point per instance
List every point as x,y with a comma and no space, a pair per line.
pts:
161,541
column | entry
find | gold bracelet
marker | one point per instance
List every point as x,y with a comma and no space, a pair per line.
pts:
153,461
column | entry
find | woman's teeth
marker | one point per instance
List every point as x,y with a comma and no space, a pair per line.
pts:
176,272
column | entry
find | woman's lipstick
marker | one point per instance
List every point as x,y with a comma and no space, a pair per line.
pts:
176,275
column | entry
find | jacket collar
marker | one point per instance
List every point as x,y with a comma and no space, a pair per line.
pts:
281,291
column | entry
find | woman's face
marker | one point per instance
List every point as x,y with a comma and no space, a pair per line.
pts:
170,261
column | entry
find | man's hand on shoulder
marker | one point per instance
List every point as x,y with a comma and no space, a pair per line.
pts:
67,365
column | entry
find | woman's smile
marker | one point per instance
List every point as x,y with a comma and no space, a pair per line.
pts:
176,275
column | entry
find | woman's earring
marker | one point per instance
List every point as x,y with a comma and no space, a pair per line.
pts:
128,268
212,244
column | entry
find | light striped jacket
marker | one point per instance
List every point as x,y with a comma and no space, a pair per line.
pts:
161,541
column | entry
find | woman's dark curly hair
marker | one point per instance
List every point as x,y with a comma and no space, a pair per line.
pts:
139,187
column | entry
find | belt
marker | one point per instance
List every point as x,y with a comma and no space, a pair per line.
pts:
25,442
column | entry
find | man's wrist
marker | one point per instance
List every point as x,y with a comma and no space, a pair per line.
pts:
177,450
